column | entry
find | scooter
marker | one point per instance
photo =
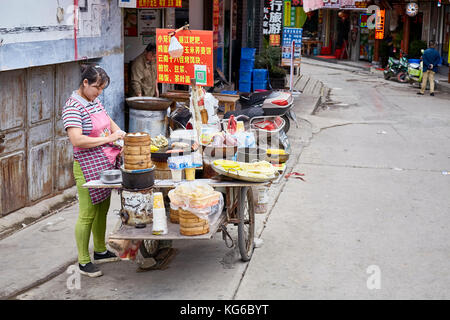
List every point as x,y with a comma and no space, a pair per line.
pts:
397,68
266,103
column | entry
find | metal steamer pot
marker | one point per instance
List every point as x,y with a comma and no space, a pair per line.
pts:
138,179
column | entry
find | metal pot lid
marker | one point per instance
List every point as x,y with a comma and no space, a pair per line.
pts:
148,103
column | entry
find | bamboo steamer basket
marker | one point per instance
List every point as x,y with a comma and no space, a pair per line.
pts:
136,150
173,216
143,140
191,225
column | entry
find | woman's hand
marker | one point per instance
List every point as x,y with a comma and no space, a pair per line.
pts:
119,134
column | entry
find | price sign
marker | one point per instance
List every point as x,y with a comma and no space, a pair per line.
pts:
195,63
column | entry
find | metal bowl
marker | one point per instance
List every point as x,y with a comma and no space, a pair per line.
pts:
111,176
148,103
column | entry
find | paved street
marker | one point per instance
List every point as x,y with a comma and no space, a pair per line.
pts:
375,198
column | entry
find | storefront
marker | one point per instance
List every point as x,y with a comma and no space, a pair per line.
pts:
141,19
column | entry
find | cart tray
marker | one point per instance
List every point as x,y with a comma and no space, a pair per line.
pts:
133,233
97,184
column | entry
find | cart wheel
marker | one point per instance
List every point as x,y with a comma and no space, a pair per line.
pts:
149,248
287,123
246,225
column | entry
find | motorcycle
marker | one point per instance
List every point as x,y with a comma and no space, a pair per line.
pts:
397,68
266,103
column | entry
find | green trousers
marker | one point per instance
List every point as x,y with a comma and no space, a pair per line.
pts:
91,218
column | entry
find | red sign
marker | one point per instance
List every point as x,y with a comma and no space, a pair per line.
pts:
275,40
196,62
216,20
379,24
158,4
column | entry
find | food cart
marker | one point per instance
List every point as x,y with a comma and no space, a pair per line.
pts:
238,198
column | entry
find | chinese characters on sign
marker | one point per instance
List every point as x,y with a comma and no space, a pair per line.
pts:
273,21
379,24
196,61
158,3
216,19
289,35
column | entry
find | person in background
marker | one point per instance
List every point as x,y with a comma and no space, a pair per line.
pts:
92,133
431,59
143,74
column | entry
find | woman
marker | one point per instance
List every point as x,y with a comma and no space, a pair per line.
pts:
91,132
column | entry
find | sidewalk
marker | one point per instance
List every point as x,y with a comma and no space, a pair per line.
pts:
441,77
46,248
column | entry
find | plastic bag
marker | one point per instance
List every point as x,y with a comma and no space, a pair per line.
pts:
232,125
211,104
175,48
245,139
198,198
125,249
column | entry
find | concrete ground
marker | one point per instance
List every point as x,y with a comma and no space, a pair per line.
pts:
371,221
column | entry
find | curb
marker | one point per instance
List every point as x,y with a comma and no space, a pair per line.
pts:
21,218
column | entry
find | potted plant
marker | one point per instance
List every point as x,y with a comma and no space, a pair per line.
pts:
270,59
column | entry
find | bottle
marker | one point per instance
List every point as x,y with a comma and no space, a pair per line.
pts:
204,115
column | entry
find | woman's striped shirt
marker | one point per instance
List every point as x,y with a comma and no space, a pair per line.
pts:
74,115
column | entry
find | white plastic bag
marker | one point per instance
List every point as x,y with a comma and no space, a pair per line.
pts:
175,48
211,105
198,198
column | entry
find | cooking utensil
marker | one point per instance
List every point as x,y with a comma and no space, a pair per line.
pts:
148,103
111,176
138,179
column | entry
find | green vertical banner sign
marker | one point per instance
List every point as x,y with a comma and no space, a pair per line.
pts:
289,14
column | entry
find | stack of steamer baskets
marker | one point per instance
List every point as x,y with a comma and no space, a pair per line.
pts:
137,180
191,204
137,151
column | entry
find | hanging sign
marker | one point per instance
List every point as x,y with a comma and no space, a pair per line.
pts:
216,19
273,21
196,62
379,24
150,3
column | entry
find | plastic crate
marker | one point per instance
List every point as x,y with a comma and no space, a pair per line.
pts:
245,76
259,85
228,92
414,61
247,64
260,75
248,53
245,86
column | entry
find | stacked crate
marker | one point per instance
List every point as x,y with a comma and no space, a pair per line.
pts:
246,69
260,79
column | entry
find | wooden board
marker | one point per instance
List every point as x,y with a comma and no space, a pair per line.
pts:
132,233
97,184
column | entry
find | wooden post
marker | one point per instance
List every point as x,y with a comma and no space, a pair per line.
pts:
406,30
197,117
376,51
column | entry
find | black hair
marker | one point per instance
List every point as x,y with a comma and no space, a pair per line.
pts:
151,47
94,74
